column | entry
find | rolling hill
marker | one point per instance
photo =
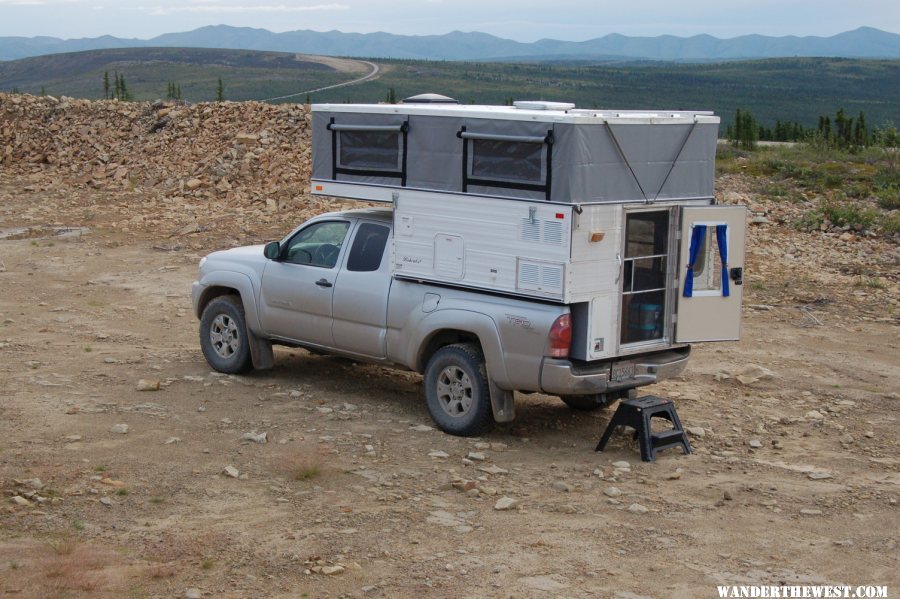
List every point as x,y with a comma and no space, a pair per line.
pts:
789,89
864,42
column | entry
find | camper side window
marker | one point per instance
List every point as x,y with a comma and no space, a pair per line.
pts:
507,161
369,150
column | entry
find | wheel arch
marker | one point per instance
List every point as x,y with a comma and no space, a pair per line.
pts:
217,284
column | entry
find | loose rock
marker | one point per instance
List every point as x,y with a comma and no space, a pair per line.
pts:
505,503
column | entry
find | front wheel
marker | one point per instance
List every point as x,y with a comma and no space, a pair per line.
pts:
223,335
457,392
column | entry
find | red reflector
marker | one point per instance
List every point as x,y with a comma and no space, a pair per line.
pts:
318,188
560,215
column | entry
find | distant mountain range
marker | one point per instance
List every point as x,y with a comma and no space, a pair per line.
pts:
865,42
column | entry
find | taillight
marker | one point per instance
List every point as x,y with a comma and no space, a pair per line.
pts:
561,337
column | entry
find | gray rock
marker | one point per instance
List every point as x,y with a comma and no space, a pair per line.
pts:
476,456
421,428
561,486
612,492
147,385
193,594
621,464
255,437
171,440
121,429
505,503
438,454
696,431
637,508
18,500
106,501
811,512
753,373
492,469
821,475
755,443
231,471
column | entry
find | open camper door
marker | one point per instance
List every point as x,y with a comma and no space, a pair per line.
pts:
711,274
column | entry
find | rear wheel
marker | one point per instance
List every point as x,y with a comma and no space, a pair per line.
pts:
223,335
457,392
589,403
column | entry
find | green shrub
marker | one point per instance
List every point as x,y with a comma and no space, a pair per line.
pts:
849,214
888,198
890,224
811,220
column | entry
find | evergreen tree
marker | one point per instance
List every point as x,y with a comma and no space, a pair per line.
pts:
308,100
220,91
391,96
106,85
125,94
860,132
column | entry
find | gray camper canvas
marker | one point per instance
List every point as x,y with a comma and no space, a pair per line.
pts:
568,156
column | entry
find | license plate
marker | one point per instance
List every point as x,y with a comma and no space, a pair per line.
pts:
622,371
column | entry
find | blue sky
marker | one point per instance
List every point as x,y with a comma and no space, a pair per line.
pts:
522,20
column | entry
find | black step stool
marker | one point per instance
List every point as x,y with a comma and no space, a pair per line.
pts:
637,413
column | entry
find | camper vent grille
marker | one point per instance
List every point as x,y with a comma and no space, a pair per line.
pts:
531,230
538,276
551,277
553,232
543,231
529,276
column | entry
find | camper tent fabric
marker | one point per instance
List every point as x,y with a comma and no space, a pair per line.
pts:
629,161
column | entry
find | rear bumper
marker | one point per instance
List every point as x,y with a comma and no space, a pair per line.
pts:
563,377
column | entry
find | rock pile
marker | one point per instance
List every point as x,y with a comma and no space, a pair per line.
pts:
235,151
161,166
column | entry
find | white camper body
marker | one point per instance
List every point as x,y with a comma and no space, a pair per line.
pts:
601,211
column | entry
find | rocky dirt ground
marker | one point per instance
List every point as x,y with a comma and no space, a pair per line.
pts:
129,469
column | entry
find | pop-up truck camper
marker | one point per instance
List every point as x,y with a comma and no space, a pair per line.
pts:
525,248
609,212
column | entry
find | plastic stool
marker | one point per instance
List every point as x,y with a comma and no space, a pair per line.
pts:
637,413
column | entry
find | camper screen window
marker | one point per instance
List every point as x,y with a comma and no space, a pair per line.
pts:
369,150
510,161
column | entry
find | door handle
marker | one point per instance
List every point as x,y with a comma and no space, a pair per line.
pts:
323,283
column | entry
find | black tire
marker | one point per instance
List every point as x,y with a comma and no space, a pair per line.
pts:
223,335
457,392
588,403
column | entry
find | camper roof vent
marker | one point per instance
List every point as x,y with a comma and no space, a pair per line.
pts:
541,105
429,99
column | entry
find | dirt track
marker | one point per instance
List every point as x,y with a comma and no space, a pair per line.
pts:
345,484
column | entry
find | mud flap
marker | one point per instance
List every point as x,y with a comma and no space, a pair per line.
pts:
503,403
261,352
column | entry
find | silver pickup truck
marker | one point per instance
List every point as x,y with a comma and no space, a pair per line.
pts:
328,287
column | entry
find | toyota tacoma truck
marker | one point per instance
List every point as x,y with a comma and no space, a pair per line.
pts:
329,287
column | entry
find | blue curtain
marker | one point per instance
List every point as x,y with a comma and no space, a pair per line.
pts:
697,236
721,237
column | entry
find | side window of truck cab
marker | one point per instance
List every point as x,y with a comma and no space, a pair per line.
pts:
368,248
317,245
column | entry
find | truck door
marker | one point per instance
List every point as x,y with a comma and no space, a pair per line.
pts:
711,263
361,295
297,289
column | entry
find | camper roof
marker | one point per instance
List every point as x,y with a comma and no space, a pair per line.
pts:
537,111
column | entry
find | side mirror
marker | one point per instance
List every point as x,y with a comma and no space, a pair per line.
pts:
272,251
